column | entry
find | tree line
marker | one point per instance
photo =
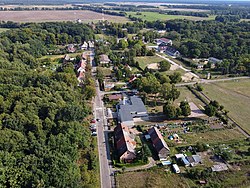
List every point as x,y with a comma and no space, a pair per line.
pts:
45,140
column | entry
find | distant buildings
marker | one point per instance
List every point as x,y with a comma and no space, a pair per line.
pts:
124,143
129,108
159,143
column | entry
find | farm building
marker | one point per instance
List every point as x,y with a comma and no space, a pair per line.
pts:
129,108
124,143
159,143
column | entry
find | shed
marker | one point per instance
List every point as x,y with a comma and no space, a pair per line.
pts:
197,158
179,156
185,161
164,163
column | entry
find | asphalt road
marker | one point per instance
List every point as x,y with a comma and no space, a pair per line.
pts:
106,171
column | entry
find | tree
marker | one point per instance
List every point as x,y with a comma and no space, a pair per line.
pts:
169,110
210,110
164,65
175,93
185,108
175,78
201,147
122,44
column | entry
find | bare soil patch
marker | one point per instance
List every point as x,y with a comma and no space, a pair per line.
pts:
195,111
57,15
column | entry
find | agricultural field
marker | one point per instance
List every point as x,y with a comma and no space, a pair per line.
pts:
152,178
57,15
153,16
235,97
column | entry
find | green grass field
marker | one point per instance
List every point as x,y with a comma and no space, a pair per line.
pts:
187,95
3,29
235,97
144,61
215,136
153,16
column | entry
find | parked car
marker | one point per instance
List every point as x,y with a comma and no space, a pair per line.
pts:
94,134
92,121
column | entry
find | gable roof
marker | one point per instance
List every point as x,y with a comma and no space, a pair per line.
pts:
115,97
165,40
157,139
171,50
104,58
124,140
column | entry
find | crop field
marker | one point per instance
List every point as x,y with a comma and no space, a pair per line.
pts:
235,97
153,16
57,15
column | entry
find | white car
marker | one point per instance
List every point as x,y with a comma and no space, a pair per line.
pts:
94,134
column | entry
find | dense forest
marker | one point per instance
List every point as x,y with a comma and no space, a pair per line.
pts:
45,140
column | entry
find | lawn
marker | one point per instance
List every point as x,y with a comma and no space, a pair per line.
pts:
153,16
187,95
215,136
144,61
235,97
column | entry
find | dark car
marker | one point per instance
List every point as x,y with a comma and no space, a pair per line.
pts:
98,120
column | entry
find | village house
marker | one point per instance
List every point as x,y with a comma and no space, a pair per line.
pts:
66,58
130,108
104,59
84,46
108,86
91,45
172,51
164,40
81,69
159,143
162,47
124,143
71,48
213,61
